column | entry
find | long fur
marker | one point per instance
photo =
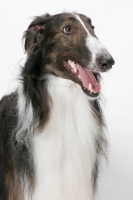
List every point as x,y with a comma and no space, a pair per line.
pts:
51,131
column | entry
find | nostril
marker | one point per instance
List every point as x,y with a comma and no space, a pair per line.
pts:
105,63
106,66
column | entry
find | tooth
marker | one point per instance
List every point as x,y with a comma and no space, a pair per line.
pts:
75,70
79,76
69,62
72,65
90,87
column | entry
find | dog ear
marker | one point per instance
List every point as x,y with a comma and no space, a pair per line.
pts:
35,33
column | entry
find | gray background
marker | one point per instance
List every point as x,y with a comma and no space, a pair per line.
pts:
113,20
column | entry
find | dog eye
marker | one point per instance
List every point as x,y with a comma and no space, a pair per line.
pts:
68,30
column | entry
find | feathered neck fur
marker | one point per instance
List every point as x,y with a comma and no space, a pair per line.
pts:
65,151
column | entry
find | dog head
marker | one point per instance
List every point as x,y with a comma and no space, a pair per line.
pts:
66,45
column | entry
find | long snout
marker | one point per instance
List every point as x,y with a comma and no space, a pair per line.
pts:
101,59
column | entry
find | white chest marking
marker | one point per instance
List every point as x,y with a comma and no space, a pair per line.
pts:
65,150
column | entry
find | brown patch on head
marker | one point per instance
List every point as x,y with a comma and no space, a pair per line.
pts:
65,39
52,30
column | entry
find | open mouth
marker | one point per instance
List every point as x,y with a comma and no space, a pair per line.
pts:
86,78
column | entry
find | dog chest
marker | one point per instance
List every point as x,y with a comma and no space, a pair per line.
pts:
65,150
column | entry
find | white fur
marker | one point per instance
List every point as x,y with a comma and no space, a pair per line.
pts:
65,150
25,116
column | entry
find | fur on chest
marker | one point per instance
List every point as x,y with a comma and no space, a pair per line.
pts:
65,152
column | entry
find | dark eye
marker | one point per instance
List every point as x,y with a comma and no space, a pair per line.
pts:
68,30
93,27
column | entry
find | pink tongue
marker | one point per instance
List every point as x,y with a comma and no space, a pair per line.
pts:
88,77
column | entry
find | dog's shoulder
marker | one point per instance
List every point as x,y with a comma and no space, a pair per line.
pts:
7,104
8,114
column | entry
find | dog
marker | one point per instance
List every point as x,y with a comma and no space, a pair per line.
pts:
51,127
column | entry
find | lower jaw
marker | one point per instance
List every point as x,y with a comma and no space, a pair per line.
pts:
91,94
86,91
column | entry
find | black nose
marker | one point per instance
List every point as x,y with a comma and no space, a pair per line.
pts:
105,62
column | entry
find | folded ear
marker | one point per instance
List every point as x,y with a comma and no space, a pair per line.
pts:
35,33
